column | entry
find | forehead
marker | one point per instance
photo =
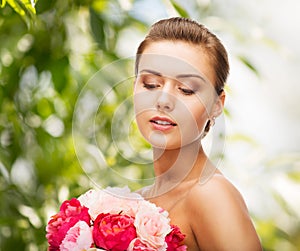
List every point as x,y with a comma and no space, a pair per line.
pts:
174,58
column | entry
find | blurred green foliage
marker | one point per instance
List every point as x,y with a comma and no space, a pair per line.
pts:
49,50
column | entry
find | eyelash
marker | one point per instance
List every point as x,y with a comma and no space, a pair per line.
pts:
186,92
149,86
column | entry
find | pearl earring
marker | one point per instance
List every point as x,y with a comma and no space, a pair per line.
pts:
213,121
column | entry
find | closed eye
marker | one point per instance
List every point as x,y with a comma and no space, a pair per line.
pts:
186,91
149,86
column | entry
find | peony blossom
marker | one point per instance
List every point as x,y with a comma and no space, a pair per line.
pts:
113,219
138,245
95,249
106,201
123,193
70,213
113,232
175,240
78,238
87,199
152,225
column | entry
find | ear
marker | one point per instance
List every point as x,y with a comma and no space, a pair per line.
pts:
218,105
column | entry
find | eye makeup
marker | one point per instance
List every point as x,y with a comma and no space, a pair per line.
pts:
188,84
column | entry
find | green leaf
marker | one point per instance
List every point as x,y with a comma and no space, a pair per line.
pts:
25,8
181,11
294,176
227,112
22,7
3,3
100,5
284,205
242,137
97,26
249,64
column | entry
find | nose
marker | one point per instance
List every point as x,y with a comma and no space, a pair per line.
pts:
165,101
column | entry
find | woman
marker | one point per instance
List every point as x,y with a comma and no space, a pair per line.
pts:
181,69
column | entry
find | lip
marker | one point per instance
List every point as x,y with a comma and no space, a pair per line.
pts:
169,124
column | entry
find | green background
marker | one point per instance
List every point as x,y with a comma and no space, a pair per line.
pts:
48,52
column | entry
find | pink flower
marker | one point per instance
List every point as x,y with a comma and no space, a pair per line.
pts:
175,239
78,238
138,245
110,201
100,221
113,232
70,213
152,225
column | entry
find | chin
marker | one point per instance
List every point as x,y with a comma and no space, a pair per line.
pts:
159,140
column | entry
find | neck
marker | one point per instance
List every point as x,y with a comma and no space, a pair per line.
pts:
177,166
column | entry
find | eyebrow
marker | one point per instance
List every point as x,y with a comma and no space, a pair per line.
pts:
152,72
189,75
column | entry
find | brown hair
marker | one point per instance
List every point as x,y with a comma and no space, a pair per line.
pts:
187,30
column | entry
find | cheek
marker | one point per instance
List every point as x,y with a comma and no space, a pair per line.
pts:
142,101
142,106
200,114
192,121
202,109
194,112
140,120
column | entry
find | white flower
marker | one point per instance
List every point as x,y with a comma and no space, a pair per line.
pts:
123,192
111,200
88,198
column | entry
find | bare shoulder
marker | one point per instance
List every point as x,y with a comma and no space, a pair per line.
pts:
218,191
220,218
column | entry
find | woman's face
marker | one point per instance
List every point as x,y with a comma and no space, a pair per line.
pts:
173,94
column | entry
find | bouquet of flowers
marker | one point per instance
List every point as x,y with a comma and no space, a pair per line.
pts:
100,220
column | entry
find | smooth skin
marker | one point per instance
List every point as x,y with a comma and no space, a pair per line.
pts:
174,83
